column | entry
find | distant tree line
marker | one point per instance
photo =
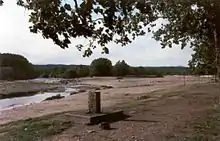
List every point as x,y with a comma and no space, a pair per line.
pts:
103,67
62,71
17,67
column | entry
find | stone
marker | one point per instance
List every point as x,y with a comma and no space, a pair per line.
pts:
105,126
91,131
143,97
106,87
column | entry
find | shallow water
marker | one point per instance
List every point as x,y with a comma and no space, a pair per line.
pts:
47,80
37,98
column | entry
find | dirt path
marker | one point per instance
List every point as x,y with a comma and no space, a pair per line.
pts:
153,120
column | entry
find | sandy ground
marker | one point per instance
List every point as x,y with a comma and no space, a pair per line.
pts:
170,117
123,91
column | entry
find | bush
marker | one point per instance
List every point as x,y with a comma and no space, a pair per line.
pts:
70,73
101,67
82,71
121,69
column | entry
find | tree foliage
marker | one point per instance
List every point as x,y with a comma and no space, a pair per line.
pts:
101,67
121,68
138,71
103,21
196,22
149,72
99,21
16,67
202,61
57,71
54,72
82,71
70,73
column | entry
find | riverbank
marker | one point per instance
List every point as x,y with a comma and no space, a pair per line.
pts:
23,93
13,89
121,91
24,88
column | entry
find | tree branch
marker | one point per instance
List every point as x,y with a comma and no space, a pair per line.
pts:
76,4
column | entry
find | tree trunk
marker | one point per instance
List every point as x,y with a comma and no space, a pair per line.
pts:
217,54
218,62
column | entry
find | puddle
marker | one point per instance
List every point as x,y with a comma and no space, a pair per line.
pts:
26,100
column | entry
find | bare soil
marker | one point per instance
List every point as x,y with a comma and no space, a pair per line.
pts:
123,91
170,117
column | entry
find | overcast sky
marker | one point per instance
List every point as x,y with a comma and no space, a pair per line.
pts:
16,38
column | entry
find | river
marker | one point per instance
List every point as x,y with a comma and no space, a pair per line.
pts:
37,98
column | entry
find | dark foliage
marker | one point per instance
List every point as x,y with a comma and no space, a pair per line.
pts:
202,62
101,67
84,71
58,71
70,73
121,68
16,67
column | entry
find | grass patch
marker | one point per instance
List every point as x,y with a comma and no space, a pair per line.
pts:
35,129
204,129
208,128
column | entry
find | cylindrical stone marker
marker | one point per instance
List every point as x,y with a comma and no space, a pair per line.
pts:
94,102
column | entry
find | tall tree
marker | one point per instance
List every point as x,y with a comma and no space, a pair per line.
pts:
101,67
192,21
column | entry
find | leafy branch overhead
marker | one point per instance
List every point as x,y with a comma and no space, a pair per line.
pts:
121,21
99,21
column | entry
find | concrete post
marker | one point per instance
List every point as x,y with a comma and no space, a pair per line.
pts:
94,102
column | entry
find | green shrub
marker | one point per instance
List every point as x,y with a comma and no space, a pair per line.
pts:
101,67
70,73
16,67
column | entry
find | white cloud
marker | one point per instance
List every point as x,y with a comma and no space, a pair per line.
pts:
16,38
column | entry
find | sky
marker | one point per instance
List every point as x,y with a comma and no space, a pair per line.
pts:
15,37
